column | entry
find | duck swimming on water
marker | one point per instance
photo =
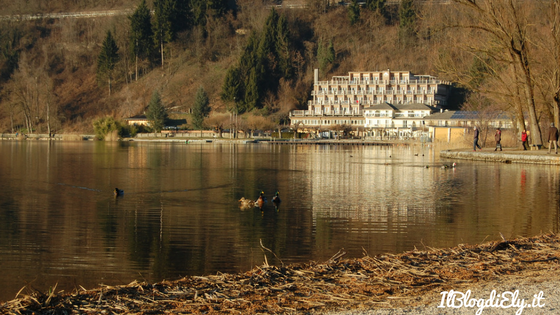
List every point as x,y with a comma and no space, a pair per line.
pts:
447,166
246,203
118,192
276,198
260,201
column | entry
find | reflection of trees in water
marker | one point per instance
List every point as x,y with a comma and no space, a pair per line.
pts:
448,193
180,214
9,218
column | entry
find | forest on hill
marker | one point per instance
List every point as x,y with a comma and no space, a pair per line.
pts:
256,58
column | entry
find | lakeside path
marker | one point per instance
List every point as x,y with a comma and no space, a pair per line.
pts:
508,155
407,283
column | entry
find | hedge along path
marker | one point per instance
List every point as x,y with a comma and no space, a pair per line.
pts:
367,282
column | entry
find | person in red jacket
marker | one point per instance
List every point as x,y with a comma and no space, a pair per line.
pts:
524,140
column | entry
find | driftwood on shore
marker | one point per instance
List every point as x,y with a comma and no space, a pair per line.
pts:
338,283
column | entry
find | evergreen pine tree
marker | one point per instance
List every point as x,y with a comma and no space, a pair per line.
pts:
330,53
378,6
247,63
268,36
325,55
140,33
267,61
251,91
320,54
204,9
107,59
231,89
156,113
198,8
283,44
162,25
217,7
354,12
181,17
407,25
201,108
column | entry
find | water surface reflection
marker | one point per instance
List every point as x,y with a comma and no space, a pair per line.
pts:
59,221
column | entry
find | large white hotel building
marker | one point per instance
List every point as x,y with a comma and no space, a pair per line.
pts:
373,99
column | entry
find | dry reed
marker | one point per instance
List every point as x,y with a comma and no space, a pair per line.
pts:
335,284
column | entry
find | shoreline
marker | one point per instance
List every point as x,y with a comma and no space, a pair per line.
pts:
508,155
412,280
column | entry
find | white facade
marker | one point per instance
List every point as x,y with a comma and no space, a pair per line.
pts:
374,99
396,116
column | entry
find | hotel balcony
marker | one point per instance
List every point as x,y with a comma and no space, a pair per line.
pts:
374,92
401,115
307,113
342,81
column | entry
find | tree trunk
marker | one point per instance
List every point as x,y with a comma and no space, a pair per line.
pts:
556,108
161,48
529,94
48,118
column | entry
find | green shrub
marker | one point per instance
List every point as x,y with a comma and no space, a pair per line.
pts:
108,125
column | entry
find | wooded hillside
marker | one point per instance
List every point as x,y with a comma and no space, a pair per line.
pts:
257,59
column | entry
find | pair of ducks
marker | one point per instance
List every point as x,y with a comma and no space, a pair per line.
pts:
248,203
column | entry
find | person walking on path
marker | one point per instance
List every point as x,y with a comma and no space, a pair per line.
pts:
475,144
498,138
552,138
524,140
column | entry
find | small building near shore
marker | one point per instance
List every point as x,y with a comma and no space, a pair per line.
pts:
460,118
138,120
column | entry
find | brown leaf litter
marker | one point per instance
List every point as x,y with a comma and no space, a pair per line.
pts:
367,282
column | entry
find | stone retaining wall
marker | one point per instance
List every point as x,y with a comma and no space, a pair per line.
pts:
515,157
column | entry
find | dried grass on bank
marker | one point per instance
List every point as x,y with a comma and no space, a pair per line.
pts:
368,282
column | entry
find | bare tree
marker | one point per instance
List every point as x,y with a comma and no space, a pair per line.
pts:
22,91
258,123
548,39
10,107
502,29
217,121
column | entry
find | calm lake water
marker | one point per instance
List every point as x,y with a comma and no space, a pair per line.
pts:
60,223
